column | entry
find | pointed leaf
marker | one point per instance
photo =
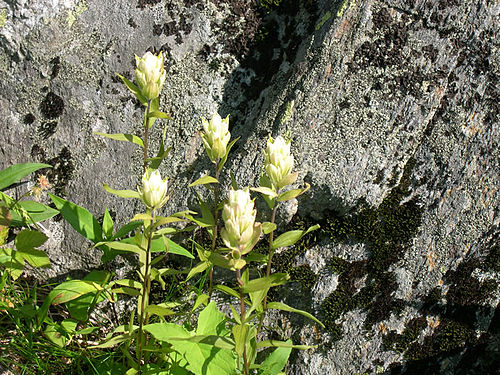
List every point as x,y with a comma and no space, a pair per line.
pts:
266,282
284,307
200,267
159,310
107,224
290,194
36,258
122,193
268,227
266,191
127,228
159,114
79,218
29,239
36,211
204,180
123,137
291,237
224,158
134,89
276,361
282,344
122,246
16,172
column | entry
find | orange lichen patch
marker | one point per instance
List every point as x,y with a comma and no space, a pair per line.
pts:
382,328
433,321
343,28
431,260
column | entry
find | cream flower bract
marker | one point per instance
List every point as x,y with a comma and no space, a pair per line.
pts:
278,161
150,74
240,233
154,190
216,136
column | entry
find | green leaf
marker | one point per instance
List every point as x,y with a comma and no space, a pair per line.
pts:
200,267
36,258
282,344
268,227
227,290
291,237
159,310
16,172
284,307
265,282
87,331
224,158
234,184
79,218
266,191
123,137
290,194
121,246
134,89
240,332
289,179
157,245
201,299
266,183
127,228
127,282
203,358
12,261
115,340
29,239
276,361
204,180
64,292
37,212
159,114
122,193
56,334
107,224
211,321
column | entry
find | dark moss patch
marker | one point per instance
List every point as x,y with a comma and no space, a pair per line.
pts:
56,67
62,170
144,3
47,128
285,261
29,119
400,343
387,231
52,106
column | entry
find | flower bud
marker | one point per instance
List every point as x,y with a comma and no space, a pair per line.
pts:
278,161
150,74
154,190
216,136
240,233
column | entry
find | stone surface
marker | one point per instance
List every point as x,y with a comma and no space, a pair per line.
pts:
393,108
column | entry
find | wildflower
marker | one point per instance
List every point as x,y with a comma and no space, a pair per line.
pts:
278,162
216,136
240,233
150,74
154,190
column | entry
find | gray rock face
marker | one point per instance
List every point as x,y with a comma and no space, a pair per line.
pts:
394,111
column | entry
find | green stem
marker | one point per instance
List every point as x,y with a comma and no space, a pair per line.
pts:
242,317
269,261
146,284
214,234
146,131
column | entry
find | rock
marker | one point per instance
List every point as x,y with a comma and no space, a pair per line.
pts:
394,112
